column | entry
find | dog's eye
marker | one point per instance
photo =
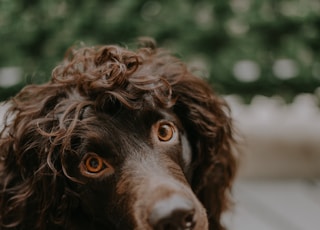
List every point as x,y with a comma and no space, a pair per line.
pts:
165,132
94,166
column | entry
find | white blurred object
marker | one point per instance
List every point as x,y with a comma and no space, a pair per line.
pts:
246,70
272,118
10,76
285,69
3,109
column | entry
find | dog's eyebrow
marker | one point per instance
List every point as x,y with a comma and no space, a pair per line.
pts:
171,117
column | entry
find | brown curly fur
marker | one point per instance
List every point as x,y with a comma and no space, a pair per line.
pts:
47,126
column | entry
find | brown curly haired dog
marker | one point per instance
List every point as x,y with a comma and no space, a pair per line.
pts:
116,140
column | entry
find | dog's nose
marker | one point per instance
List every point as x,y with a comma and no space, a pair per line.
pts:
173,213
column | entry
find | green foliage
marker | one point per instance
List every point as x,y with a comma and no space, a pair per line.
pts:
244,47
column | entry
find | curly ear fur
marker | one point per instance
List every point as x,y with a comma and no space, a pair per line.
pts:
210,132
31,173
37,133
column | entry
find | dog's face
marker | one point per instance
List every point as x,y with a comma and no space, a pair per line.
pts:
116,140
133,170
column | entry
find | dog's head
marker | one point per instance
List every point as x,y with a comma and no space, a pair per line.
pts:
116,140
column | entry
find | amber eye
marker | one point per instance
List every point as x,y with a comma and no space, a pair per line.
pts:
94,164
165,132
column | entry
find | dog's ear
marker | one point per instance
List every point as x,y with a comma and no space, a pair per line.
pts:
209,128
30,174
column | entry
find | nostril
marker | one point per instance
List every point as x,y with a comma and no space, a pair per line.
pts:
188,220
173,213
178,220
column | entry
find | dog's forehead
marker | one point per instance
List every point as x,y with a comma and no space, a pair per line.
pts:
126,125
127,118
146,116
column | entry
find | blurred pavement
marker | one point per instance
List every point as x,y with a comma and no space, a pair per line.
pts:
275,205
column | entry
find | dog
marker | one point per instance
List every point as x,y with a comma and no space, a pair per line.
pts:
117,139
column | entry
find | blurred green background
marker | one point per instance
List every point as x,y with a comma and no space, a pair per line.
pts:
244,47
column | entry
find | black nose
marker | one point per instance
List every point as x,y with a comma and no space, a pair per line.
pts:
173,213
